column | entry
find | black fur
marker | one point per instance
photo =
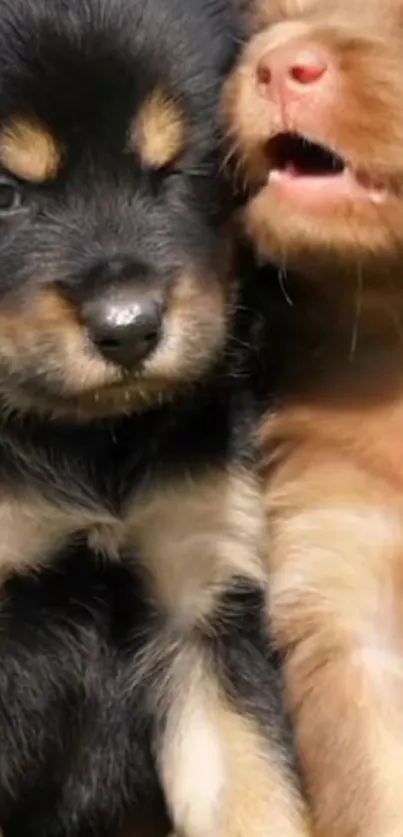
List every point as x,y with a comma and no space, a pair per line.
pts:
77,737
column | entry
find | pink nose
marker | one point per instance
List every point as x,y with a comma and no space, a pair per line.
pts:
290,66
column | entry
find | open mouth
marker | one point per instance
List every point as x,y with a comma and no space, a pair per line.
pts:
308,167
297,156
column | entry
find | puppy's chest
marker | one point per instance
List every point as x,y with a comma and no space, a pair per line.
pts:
187,536
370,437
187,514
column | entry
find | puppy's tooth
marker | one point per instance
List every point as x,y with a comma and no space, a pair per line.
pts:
274,176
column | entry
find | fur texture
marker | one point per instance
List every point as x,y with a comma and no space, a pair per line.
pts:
148,667
323,164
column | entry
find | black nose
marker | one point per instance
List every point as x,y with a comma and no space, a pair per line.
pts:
125,323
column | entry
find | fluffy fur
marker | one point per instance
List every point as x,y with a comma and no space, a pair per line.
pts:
333,444
156,673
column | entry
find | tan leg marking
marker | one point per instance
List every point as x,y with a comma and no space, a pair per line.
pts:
222,777
193,536
31,530
335,559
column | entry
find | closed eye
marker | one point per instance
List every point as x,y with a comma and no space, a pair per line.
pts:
11,195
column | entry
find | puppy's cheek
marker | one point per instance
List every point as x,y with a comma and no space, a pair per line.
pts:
195,328
241,117
42,342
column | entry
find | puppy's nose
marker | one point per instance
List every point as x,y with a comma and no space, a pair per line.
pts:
125,323
289,69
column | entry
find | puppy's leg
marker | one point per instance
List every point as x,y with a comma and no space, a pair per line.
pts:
31,532
222,751
225,756
335,556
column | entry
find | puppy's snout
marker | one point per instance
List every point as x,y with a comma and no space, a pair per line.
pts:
124,323
291,70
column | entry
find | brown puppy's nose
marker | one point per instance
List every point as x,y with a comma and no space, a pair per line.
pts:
284,69
125,323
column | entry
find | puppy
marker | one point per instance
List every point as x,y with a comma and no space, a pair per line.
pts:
315,115
124,422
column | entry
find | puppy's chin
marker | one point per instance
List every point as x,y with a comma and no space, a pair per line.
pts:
334,236
98,404
47,395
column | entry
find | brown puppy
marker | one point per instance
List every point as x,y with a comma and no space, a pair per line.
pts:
315,112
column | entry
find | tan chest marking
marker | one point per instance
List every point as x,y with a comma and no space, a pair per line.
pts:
29,530
32,530
193,535
189,536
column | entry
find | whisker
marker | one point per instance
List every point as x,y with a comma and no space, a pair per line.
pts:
357,312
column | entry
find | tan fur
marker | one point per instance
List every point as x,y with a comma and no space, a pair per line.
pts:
336,541
333,450
259,778
29,533
33,530
159,130
29,325
365,98
29,151
220,775
194,537
33,315
194,329
196,309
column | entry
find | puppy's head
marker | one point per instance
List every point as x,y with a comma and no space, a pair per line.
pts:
114,288
314,112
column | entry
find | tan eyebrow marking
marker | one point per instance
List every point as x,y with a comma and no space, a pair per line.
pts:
29,151
159,130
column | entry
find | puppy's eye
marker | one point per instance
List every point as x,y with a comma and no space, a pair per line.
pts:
10,196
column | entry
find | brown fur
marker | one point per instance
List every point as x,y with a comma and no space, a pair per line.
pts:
43,318
241,783
334,451
220,772
220,775
368,85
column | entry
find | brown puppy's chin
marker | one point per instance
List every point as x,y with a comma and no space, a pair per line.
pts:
317,246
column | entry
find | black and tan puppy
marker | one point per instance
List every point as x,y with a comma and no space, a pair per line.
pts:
124,421
315,113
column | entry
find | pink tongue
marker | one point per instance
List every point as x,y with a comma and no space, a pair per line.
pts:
292,170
